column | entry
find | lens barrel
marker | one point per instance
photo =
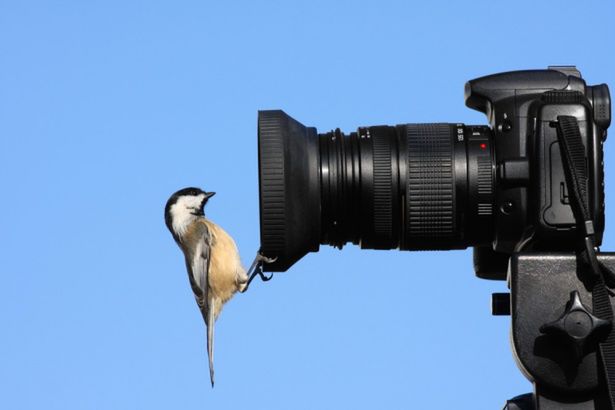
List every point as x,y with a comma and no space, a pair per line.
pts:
411,186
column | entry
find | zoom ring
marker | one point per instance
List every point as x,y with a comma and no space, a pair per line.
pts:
430,202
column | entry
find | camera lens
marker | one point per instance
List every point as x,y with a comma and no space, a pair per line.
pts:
411,187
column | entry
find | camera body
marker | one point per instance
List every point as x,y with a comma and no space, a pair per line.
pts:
531,199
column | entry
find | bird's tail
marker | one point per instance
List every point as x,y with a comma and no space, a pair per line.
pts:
210,321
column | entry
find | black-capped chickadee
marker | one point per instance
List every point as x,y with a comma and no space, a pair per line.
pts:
212,259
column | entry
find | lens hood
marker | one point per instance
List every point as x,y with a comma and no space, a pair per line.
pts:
289,184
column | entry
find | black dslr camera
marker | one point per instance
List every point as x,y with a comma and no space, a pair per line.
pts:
504,189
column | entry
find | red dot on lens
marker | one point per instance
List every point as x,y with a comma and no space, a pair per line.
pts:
483,146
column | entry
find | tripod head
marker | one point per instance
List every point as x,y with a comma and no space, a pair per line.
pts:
555,335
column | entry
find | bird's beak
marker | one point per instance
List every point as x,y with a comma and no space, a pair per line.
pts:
209,194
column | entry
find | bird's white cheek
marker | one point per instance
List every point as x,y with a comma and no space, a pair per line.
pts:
182,218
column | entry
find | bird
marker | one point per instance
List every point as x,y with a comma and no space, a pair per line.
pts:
212,258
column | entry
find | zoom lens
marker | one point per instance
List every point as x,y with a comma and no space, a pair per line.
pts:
412,186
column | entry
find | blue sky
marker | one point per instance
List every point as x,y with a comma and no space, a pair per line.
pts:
108,107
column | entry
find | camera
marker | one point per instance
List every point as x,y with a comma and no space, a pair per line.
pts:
499,188
526,192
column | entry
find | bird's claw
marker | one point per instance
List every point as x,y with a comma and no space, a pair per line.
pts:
264,277
263,258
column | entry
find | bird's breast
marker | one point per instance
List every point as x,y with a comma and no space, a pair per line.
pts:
225,264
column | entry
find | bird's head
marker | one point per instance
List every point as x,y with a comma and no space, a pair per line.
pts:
183,206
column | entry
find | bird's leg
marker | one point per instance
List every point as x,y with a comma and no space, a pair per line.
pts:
257,269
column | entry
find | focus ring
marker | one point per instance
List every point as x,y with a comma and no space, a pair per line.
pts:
383,181
430,202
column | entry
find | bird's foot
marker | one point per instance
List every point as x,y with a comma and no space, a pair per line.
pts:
257,269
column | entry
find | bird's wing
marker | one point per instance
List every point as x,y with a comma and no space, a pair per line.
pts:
199,266
201,261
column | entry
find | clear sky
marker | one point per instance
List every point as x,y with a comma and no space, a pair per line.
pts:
108,107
